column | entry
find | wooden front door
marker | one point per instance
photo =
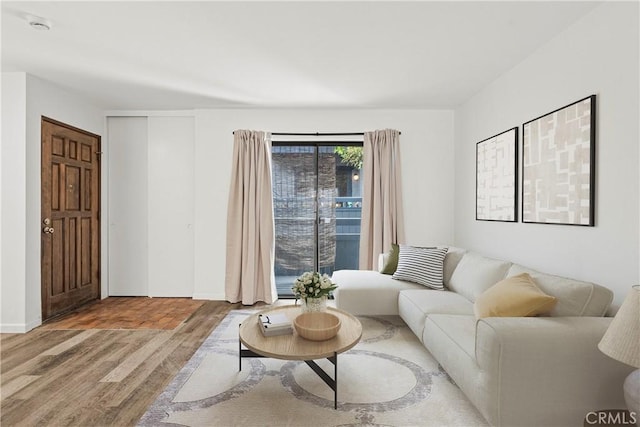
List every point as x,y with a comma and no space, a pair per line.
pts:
70,223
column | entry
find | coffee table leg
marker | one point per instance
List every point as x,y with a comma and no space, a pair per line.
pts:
335,375
244,353
331,382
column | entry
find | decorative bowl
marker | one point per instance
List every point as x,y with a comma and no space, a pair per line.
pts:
317,326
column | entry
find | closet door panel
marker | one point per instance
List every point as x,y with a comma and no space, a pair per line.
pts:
128,217
171,206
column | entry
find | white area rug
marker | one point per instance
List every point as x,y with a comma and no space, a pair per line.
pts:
388,379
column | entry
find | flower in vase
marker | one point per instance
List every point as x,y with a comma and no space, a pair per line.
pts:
313,285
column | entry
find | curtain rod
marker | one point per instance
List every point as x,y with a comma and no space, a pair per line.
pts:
317,134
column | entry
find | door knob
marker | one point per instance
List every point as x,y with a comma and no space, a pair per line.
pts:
48,230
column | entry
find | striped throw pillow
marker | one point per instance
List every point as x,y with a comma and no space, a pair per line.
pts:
424,266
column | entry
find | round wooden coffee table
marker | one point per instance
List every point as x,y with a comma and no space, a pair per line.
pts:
294,347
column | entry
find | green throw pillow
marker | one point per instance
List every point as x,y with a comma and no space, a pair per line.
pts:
392,262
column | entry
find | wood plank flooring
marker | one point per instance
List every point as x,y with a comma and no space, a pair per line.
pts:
74,376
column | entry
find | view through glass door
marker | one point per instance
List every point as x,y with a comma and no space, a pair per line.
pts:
317,200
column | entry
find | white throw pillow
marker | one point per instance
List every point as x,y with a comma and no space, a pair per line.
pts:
424,266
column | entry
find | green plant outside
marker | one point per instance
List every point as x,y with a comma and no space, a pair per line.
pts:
350,155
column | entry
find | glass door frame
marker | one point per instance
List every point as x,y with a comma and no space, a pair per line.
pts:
316,145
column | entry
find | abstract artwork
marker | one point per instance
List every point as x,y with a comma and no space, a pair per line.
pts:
558,166
496,173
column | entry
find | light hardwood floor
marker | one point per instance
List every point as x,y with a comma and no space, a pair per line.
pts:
96,377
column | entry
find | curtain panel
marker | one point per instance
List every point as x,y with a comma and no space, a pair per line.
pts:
382,212
249,275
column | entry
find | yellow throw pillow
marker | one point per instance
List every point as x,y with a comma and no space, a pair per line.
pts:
516,296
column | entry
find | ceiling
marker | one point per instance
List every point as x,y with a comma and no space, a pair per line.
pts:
326,54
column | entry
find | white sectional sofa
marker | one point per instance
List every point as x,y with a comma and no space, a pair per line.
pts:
518,371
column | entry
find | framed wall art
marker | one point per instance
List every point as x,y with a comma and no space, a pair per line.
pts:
496,177
558,165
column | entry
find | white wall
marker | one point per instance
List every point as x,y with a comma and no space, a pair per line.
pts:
13,195
426,156
23,199
597,55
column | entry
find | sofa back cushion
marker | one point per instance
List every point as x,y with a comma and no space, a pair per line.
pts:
475,274
451,260
575,298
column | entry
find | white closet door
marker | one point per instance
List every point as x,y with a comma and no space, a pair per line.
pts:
128,220
171,206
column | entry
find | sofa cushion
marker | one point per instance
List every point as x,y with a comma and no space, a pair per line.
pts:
421,265
368,292
460,329
476,273
382,260
451,260
515,296
415,305
451,340
575,297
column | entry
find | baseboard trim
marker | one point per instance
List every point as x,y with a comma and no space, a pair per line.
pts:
19,328
213,297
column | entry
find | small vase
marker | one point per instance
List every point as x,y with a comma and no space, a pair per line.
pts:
314,304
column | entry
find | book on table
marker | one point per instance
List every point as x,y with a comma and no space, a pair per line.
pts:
272,324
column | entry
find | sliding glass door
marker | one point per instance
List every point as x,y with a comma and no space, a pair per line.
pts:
317,201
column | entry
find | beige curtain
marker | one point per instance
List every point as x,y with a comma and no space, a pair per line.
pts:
250,227
382,217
